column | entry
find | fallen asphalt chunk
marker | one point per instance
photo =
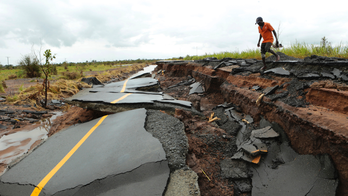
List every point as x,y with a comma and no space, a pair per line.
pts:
278,71
196,88
308,76
327,75
35,112
246,157
270,90
266,132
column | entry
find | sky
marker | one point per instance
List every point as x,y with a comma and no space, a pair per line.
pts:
106,30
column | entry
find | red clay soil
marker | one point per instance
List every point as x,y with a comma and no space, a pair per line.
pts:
73,116
319,128
204,157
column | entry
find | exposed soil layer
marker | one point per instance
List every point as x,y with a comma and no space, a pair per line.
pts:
310,108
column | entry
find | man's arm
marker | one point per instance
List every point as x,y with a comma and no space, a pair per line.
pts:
258,43
275,35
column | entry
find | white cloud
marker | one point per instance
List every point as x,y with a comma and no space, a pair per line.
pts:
128,29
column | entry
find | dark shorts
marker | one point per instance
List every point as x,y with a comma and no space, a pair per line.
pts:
265,47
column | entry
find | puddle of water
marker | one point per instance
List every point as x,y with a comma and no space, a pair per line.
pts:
17,144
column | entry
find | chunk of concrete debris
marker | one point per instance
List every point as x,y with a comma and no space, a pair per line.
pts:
249,118
278,71
327,75
270,90
336,72
266,132
255,88
246,157
34,112
196,88
309,76
183,182
254,147
233,114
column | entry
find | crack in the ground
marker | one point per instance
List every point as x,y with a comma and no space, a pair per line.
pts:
102,181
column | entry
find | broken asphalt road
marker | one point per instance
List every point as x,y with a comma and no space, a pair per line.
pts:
110,155
113,150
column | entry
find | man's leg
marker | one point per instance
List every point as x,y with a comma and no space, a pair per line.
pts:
263,55
268,49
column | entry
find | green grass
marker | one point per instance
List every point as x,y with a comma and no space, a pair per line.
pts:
12,98
298,50
2,90
21,88
4,73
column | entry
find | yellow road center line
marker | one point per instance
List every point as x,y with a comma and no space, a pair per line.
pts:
124,86
44,181
124,96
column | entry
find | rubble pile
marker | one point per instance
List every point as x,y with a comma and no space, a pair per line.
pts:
287,126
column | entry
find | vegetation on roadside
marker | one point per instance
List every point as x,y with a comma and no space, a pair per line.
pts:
30,66
298,50
63,88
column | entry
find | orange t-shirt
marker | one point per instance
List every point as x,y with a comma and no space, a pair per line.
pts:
266,32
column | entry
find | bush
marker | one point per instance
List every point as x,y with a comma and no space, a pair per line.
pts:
2,90
71,75
31,66
10,77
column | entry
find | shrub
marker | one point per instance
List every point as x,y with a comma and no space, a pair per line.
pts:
71,75
12,98
2,90
10,77
31,66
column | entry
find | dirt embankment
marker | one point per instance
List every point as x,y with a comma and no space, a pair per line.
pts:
311,107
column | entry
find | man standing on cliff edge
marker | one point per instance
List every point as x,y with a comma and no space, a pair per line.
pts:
265,30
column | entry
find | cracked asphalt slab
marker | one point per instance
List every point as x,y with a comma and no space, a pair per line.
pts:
109,151
110,155
115,91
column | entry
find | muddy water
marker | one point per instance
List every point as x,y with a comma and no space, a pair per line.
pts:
17,144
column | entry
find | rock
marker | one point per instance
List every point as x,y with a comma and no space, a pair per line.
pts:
183,182
234,169
170,132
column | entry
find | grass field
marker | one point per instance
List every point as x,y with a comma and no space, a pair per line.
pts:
6,74
298,50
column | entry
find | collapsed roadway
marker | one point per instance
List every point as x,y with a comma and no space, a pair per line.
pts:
220,126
